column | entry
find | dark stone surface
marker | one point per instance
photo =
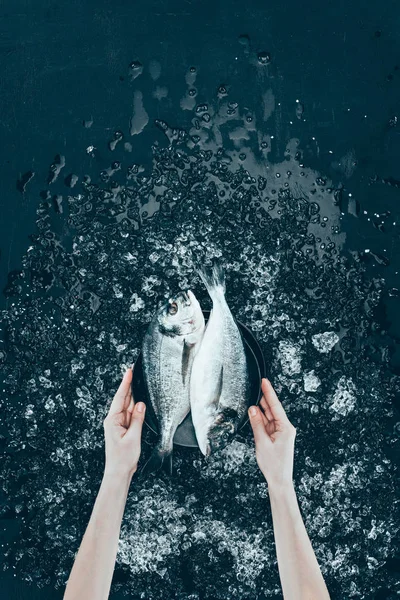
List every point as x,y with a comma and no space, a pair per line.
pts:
66,64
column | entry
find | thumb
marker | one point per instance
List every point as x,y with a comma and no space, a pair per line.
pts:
137,418
257,424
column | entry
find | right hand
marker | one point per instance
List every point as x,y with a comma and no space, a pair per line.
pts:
274,437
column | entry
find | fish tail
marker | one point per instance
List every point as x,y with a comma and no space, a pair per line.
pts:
159,459
213,278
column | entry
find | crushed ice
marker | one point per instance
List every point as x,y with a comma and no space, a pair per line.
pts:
77,318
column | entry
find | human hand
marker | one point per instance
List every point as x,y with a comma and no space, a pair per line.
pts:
274,437
123,430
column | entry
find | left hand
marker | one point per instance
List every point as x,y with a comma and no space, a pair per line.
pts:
123,430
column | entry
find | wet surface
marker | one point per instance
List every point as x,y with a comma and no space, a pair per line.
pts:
141,159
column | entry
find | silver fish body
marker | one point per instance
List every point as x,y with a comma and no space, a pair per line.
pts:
169,348
219,386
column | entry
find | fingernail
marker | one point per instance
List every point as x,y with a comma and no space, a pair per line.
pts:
253,411
141,406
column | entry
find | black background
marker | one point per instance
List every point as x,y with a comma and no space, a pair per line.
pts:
64,62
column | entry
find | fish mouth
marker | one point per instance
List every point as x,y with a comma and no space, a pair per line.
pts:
190,321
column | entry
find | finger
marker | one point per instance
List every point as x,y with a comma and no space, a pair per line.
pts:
118,403
266,409
257,424
275,406
130,387
128,413
128,398
137,418
264,418
267,412
128,405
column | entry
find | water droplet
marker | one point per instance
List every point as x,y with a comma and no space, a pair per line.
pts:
222,90
154,69
394,292
117,137
71,180
264,58
200,108
244,40
136,69
57,203
24,180
55,168
299,110
140,118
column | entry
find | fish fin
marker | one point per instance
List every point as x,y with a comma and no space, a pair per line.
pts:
171,332
167,464
185,361
226,414
158,459
213,278
219,388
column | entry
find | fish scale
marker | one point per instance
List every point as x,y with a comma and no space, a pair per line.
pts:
220,386
169,347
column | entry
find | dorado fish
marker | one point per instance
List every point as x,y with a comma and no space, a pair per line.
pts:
219,386
169,348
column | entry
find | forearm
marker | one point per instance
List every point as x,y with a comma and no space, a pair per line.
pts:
93,569
299,571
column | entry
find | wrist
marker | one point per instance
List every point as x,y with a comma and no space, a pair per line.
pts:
279,489
118,475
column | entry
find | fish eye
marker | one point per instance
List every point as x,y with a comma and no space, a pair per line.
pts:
172,308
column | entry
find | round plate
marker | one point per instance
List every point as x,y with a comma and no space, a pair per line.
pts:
185,434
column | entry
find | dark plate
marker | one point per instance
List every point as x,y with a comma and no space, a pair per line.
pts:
185,434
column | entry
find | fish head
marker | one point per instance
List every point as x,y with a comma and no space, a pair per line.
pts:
222,430
182,316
